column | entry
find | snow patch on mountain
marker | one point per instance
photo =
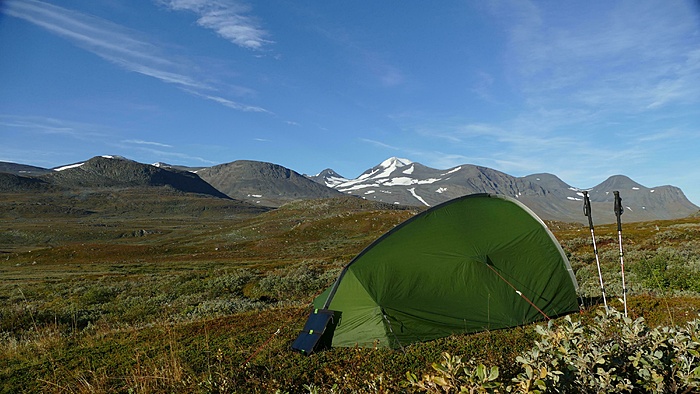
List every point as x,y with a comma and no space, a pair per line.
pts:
453,171
395,162
391,165
68,167
405,181
334,181
419,198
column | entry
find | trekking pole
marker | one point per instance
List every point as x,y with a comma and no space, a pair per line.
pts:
618,212
587,212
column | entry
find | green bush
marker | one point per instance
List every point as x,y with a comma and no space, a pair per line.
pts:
613,354
669,270
229,282
302,282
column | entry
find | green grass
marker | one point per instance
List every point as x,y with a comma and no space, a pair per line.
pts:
129,291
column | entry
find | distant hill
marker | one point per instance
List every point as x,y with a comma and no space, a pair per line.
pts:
17,184
263,183
660,202
176,167
22,169
109,171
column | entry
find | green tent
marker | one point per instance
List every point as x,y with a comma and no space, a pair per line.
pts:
479,262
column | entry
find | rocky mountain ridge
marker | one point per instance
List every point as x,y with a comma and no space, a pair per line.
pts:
401,181
263,183
394,181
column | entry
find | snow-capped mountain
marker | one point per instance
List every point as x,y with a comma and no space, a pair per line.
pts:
328,177
401,181
404,182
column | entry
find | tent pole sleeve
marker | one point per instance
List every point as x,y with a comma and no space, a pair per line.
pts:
391,330
488,260
331,294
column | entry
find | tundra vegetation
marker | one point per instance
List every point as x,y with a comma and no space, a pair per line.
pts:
109,291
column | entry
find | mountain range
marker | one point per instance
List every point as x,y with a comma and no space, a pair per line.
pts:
394,181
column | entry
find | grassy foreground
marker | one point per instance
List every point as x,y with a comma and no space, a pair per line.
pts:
134,292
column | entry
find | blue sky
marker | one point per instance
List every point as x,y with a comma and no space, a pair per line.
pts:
583,90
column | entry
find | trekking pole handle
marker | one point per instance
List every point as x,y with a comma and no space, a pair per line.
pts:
587,208
619,210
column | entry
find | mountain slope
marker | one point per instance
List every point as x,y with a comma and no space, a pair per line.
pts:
22,169
641,202
401,181
263,183
18,184
109,171
328,177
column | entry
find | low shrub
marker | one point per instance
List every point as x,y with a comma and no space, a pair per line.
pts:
612,354
301,282
668,270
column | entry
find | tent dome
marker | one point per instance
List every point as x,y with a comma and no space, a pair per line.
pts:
478,262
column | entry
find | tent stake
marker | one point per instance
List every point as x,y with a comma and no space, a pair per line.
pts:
587,212
618,212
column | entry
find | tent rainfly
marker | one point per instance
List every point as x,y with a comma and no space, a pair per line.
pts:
474,263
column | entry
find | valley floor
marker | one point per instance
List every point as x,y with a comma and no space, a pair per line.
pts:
195,296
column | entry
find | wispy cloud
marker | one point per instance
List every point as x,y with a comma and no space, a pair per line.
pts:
632,57
379,144
141,142
229,19
370,62
594,94
124,47
108,40
230,103
163,155
48,125
388,74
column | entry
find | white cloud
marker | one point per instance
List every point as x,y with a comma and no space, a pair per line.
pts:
141,142
370,62
229,19
108,40
230,103
48,125
594,96
379,144
630,57
125,48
